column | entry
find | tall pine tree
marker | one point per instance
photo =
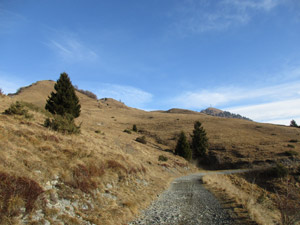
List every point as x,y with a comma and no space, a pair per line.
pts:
199,141
183,148
64,101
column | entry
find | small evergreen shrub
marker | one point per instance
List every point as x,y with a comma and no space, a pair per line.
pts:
1,92
293,141
291,153
183,147
18,108
127,131
35,108
290,146
162,158
64,124
134,128
99,132
141,140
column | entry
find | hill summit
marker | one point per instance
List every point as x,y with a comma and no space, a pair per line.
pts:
220,113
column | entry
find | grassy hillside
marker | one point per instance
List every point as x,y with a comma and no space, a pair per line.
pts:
103,176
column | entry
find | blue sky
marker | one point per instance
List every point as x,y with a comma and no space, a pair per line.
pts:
237,55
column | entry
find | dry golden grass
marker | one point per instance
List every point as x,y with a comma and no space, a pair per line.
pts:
233,140
117,175
104,172
245,194
266,199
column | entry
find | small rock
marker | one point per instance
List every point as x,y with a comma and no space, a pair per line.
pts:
53,197
85,207
54,182
48,186
106,195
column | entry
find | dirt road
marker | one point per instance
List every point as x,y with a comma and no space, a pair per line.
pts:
187,202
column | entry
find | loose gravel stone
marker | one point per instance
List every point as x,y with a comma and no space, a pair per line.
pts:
186,202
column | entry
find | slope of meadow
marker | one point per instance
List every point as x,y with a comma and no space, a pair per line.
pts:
104,176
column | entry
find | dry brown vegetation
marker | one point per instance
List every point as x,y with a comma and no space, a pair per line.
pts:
244,197
103,175
265,199
86,92
103,178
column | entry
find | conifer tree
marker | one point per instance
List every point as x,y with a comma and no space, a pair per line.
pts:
134,128
293,124
64,101
183,148
199,141
64,105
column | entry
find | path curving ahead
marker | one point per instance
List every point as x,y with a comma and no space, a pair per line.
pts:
187,202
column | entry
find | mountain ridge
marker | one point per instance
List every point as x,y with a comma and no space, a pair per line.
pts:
220,113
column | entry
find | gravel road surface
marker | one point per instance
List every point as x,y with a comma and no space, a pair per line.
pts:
186,202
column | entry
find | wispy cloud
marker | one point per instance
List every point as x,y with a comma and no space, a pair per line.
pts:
236,95
198,16
272,103
9,21
72,50
254,4
131,96
278,112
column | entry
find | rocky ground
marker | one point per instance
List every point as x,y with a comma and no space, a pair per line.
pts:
187,201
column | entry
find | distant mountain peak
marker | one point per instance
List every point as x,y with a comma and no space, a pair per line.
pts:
181,111
220,113
213,110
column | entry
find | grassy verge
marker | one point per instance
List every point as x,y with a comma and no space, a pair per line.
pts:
265,200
